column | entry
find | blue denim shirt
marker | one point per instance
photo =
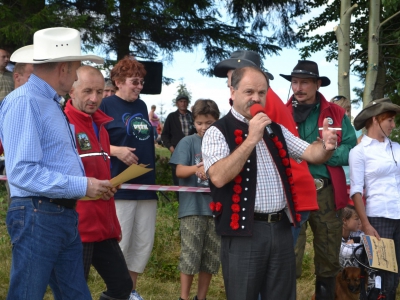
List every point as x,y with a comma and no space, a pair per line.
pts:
41,157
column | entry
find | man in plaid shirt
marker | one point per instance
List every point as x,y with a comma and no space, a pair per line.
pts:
6,77
177,125
252,201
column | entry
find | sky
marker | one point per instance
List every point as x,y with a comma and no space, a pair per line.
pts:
184,68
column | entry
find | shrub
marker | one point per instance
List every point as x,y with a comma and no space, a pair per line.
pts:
164,177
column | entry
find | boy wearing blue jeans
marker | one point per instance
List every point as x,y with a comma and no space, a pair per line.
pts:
200,245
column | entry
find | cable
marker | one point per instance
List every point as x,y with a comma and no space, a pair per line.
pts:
390,144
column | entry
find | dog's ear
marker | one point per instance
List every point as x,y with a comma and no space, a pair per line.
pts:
344,274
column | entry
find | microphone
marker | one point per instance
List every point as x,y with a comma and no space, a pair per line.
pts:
257,108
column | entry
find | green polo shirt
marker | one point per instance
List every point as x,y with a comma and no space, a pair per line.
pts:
308,131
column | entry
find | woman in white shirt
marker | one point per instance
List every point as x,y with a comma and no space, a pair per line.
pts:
374,166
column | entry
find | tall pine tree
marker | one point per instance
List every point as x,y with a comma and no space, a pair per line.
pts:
154,30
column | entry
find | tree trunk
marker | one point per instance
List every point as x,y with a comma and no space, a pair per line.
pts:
380,84
342,33
373,52
380,79
123,37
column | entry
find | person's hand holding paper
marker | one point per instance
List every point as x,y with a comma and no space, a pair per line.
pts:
131,172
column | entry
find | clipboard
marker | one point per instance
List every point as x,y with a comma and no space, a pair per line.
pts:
381,254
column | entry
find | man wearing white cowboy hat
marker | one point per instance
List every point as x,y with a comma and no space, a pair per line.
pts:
45,173
309,109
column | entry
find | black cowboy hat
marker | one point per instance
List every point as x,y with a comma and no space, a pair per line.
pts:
307,69
374,108
239,59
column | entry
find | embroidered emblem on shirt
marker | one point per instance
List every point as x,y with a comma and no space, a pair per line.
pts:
83,141
137,126
330,120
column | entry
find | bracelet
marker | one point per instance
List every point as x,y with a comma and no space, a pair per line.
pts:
323,143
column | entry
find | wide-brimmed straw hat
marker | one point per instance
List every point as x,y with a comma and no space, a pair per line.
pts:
56,44
374,108
307,69
239,59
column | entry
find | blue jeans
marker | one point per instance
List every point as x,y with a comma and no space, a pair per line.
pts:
296,230
46,250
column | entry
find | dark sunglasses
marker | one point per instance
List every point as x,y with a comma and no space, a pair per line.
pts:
337,98
137,81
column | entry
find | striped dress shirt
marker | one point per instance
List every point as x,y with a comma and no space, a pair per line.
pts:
41,158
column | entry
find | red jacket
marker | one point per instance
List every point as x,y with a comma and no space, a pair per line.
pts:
304,186
336,114
97,218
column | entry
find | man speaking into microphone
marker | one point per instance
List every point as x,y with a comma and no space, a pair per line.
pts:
258,108
251,184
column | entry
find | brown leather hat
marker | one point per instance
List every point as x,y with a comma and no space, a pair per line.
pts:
374,108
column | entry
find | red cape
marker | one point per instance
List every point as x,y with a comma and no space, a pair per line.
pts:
304,185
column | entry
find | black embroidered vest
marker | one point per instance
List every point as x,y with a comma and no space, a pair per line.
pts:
222,197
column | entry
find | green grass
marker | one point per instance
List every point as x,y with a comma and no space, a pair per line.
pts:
5,248
162,151
161,277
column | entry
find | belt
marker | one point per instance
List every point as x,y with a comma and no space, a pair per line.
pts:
67,203
321,183
270,218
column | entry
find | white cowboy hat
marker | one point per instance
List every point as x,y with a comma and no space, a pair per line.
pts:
56,44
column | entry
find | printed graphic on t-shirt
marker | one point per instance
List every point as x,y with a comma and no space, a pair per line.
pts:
197,159
83,141
137,126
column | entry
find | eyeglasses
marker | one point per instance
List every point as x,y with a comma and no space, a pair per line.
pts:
337,98
137,81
